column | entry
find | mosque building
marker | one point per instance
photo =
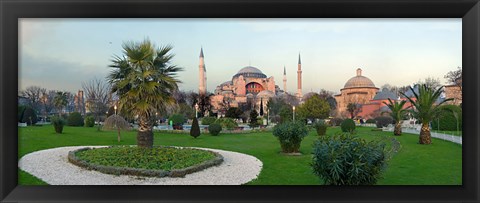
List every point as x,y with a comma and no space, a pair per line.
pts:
248,84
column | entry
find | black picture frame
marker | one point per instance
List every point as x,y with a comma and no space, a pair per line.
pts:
12,10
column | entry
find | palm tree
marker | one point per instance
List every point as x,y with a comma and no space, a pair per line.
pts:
144,81
60,101
425,109
397,113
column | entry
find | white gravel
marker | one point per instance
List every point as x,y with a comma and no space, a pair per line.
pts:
52,166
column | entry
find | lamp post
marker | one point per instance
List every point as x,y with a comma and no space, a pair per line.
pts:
196,110
293,113
115,107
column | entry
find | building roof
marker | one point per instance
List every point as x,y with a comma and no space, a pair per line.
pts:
265,94
250,69
201,52
385,94
409,92
251,72
359,81
299,61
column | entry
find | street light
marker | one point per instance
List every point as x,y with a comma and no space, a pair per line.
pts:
293,113
115,107
196,110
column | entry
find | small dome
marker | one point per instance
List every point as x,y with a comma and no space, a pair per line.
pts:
359,81
265,94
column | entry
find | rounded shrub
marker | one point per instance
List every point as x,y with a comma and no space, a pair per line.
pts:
29,116
336,121
195,130
214,129
227,123
383,121
75,119
177,120
371,120
89,121
58,124
447,120
208,120
290,135
344,159
321,127
348,125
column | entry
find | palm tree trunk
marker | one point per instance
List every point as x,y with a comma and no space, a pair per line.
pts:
145,134
398,129
425,137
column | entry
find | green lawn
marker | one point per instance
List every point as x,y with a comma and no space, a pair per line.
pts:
437,164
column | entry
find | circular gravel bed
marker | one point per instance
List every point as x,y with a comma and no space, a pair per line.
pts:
52,166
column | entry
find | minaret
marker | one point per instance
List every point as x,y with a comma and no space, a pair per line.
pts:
202,79
284,80
299,78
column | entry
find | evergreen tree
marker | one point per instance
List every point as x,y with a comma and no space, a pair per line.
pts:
253,119
261,107
195,130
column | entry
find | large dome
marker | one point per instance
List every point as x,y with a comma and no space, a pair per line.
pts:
250,71
359,81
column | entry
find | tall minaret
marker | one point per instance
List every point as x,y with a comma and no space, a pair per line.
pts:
202,78
284,80
299,78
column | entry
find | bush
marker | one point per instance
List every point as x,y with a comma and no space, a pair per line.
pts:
177,121
208,120
290,135
227,123
383,121
75,119
58,124
195,130
214,129
371,121
89,121
447,120
348,160
348,125
336,121
321,127
29,116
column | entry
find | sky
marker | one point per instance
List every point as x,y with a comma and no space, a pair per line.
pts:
61,54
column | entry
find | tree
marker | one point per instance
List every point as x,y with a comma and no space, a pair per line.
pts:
203,101
261,106
47,102
455,77
353,109
286,114
195,130
233,112
116,122
253,119
314,108
397,113
34,95
433,83
60,101
144,80
425,109
97,96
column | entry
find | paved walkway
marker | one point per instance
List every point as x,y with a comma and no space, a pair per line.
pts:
52,166
451,138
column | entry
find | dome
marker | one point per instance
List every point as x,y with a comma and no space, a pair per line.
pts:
359,81
251,72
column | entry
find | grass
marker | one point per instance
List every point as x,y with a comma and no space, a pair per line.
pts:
156,158
437,164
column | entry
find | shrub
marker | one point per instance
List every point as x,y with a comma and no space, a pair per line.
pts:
321,127
348,160
89,121
348,125
253,119
290,135
371,121
214,129
29,116
75,119
208,120
177,121
58,124
447,120
383,121
195,130
227,123
336,121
